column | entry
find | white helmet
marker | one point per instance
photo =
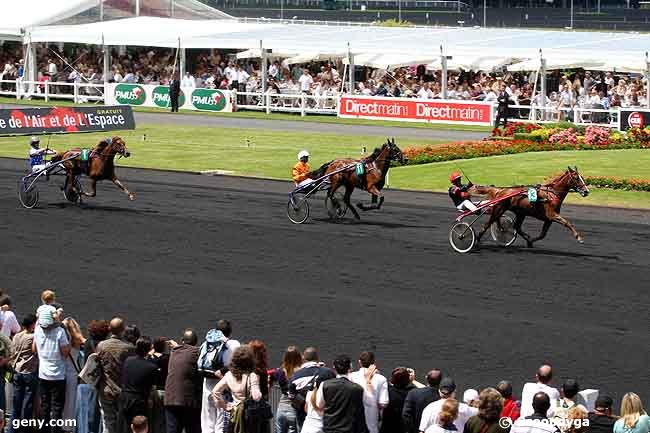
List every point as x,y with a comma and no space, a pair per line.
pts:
303,154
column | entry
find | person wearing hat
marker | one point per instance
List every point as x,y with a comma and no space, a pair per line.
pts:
459,193
602,420
36,154
447,391
300,171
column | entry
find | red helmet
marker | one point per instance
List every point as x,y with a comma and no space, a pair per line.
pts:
455,175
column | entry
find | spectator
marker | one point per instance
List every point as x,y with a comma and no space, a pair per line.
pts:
470,397
569,399
111,355
261,370
25,381
132,334
447,390
87,406
73,365
418,399
183,387
304,380
342,401
53,347
314,419
48,298
140,424
446,418
375,389
306,81
510,405
398,388
538,422
577,420
10,326
490,406
240,381
544,377
139,375
285,415
214,360
160,357
601,420
633,418
188,81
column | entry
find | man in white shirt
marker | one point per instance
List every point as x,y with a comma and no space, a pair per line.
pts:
447,390
543,379
52,69
212,417
375,389
425,92
229,73
8,321
305,81
188,81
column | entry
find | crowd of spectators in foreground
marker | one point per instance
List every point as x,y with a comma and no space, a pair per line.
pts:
218,70
109,377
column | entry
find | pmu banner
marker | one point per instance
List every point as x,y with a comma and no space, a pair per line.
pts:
417,110
633,118
148,95
51,120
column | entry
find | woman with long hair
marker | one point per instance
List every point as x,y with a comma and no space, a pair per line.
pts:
285,414
446,418
634,418
261,366
314,419
490,406
73,365
241,380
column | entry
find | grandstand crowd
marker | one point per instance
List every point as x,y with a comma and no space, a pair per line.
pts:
214,69
109,377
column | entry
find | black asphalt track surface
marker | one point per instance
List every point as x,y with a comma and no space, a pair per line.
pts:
193,249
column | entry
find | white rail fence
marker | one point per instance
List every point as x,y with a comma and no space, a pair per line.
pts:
301,103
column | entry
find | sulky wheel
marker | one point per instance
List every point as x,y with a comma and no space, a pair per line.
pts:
27,193
503,232
462,237
298,208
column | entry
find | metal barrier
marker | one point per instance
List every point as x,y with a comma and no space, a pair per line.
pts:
77,92
585,116
287,102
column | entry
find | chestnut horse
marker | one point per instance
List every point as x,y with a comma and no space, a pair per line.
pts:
100,165
550,196
375,168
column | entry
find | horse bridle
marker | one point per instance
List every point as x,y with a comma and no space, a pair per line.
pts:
571,189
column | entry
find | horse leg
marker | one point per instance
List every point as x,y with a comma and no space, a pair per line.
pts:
542,234
561,220
376,195
117,182
495,214
346,198
93,189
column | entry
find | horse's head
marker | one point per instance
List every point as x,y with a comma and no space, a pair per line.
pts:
577,182
118,145
396,153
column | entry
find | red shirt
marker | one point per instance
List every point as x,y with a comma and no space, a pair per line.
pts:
510,409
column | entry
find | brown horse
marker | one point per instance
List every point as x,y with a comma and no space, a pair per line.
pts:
375,168
550,196
100,165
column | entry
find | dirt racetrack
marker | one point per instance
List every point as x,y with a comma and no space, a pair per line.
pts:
192,249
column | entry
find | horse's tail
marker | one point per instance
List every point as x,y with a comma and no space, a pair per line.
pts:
320,171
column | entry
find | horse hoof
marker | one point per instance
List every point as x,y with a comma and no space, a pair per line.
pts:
581,241
529,244
131,197
361,206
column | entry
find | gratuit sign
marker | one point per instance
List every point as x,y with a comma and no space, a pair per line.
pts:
50,120
147,95
416,110
632,118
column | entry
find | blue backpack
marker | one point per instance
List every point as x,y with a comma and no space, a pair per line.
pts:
212,352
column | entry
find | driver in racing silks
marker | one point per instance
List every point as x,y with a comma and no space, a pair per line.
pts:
459,193
300,171
36,155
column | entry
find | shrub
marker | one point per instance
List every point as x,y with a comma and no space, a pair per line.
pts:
565,136
619,183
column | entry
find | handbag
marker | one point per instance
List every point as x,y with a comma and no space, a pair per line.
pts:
10,370
256,410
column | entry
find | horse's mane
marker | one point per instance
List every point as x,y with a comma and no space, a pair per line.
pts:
375,154
555,178
102,145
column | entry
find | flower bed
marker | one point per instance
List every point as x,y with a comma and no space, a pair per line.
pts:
529,137
618,183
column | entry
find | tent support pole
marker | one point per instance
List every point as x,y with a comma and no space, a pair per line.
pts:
647,80
137,8
101,10
107,65
350,71
30,64
263,68
181,67
542,85
443,78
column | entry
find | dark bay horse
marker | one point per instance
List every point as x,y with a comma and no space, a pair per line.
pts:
375,169
100,165
550,196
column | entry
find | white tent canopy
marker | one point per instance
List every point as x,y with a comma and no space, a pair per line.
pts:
385,46
25,14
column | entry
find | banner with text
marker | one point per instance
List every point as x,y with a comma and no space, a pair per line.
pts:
633,118
148,95
51,120
417,110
